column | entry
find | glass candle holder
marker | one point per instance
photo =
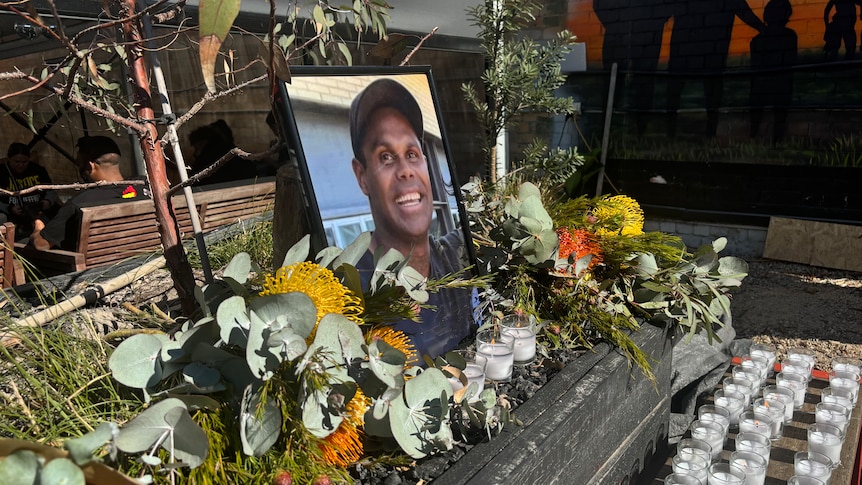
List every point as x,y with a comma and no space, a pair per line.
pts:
741,384
783,394
751,374
775,409
523,329
499,352
800,480
755,422
847,364
694,446
682,479
711,412
797,365
726,474
756,442
689,464
753,464
812,464
840,396
826,439
832,413
804,354
473,373
796,383
767,351
756,364
732,401
847,381
711,432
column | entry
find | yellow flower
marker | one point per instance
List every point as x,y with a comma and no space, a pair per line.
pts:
344,445
396,339
618,215
324,289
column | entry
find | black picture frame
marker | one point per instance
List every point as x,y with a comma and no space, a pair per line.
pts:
314,110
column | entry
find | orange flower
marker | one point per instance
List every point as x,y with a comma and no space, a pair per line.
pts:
395,339
579,243
344,445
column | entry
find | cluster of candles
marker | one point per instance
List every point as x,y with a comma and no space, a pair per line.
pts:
758,413
498,350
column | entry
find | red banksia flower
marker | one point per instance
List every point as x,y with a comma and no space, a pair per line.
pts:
283,478
322,480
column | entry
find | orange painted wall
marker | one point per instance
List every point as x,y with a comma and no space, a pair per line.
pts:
806,21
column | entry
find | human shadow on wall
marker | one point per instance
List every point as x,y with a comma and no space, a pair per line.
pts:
841,28
773,53
633,40
699,45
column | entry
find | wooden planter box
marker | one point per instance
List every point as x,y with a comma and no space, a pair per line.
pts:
597,421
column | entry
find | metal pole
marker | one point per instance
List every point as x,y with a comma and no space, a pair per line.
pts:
173,139
607,130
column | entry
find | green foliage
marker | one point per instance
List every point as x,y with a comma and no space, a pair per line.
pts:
522,74
256,240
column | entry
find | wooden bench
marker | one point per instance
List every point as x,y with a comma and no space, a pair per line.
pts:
110,233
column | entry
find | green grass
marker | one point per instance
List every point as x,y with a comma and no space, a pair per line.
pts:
256,240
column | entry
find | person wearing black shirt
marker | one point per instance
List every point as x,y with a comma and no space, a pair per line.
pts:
21,173
99,161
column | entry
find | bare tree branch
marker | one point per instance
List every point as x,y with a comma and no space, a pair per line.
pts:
234,152
212,97
421,41
75,186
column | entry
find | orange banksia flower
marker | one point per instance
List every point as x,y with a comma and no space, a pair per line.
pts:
577,244
344,445
395,339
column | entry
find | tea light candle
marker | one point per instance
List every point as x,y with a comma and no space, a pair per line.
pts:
796,383
752,464
523,329
784,395
711,412
837,396
711,432
732,401
743,385
682,479
847,364
826,439
726,474
693,465
694,447
756,365
832,413
775,410
758,443
766,351
499,354
847,381
754,422
804,354
812,464
797,365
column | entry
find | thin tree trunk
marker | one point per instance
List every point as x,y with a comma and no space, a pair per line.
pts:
154,158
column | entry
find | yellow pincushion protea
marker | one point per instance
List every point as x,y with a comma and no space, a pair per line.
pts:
395,339
344,445
618,215
324,289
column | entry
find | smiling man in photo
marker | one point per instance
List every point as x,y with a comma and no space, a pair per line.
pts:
386,131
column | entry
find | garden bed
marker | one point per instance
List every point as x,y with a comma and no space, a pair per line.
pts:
597,421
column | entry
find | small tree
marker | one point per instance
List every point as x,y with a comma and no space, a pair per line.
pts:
521,75
83,79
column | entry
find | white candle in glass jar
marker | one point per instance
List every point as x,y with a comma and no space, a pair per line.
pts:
522,328
827,441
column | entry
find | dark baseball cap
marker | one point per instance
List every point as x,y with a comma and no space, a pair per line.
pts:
382,93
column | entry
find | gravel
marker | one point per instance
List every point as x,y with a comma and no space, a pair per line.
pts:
794,305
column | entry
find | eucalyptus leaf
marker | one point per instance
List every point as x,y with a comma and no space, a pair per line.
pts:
316,415
259,357
136,363
327,255
298,252
20,467
296,310
354,251
147,428
238,268
527,190
81,449
386,362
189,443
61,471
417,418
339,335
233,321
201,375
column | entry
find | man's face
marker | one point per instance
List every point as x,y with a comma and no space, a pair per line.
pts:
85,167
18,164
395,178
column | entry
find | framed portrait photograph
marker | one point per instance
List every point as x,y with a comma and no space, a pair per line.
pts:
317,116
373,157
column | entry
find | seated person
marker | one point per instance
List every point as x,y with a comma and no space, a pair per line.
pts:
20,173
210,143
386,131
99,161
